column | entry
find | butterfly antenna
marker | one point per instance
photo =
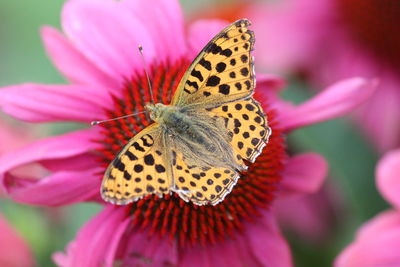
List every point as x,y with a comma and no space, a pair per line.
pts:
117,118
147,74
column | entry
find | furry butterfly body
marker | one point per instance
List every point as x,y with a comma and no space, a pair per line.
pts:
197,145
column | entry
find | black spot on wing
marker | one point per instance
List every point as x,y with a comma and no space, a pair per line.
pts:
238,86
224,89
213,81
220,67
213,48
127,176
197,74
138,168
149,159
130,155
248,85
119,164
193,84
226,52
244,58
147,140
138,147
160,168
205,63
244,71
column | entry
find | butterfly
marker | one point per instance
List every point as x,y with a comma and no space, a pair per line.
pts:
199,144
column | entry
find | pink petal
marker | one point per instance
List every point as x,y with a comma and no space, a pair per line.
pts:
385,221
60,188
304,174
59,147
230,252
163,19
41,103
260,245
377,243
201,32
57,152
336,100
155,250
71,62
99,238
108,34
270,82
312,216
383,107
280,25
14,250
267,91
388,177
267,243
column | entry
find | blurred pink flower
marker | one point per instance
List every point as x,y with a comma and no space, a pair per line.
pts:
14,250
377,242
97,55
329,40
310,217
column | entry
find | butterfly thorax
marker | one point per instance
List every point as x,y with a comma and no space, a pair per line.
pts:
158,112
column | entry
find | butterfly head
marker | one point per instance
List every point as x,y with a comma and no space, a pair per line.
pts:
158,111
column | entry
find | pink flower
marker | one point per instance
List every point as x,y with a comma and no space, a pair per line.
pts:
98,56
310,217
329,40
15,252
377,242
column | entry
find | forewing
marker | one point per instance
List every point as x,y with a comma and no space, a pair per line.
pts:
246,120
223,71
201,185
138,170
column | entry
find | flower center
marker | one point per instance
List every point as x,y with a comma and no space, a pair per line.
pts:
188,223
376,25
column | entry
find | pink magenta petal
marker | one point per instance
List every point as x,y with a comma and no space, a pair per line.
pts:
52,190
312,216
201,32
260,245
13,177
163,19
383,107
71,62
14,250
99,238
377,243
304,174
268,244
231,252
388,177
336,100
270,82
108,34
59,147
267,90
154,250
42,103
278,25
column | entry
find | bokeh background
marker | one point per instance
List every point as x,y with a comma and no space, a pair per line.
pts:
347,199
